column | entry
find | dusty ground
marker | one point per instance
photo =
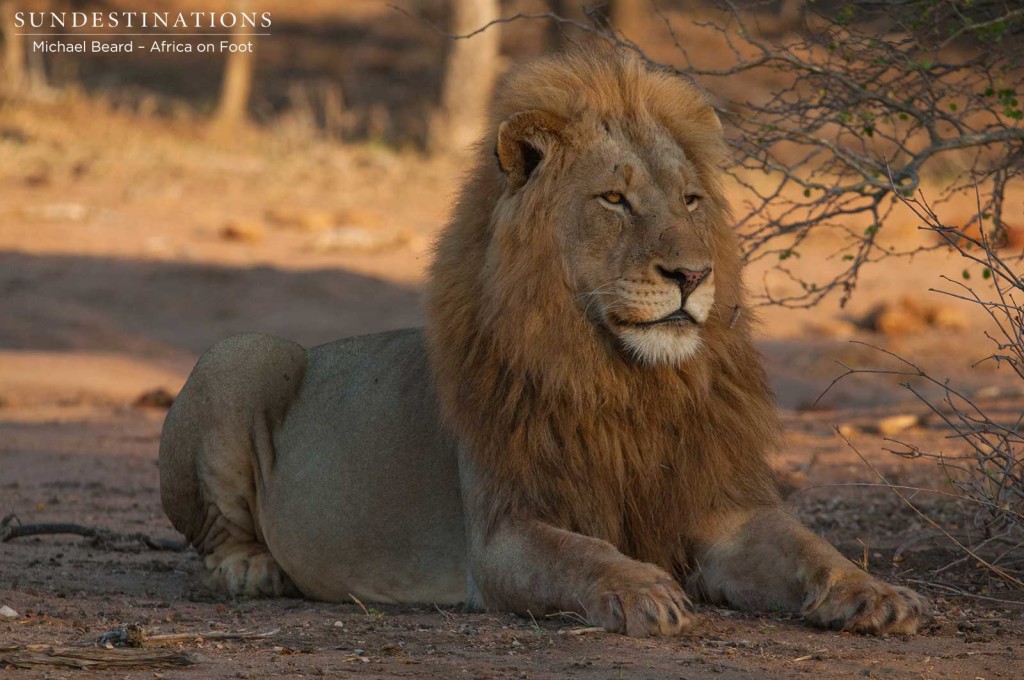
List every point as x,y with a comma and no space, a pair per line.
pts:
115,274
95,465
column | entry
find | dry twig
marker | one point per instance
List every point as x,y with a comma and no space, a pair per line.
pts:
32,656
136,636
12,528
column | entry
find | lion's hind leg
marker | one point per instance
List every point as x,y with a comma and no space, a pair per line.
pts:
246,570
235,559
765,560
217,452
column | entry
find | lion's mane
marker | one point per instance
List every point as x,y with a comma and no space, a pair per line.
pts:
558,423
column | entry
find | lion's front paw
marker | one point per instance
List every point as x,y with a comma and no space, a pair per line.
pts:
856,601
642,601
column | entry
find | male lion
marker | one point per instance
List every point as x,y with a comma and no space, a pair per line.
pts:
583,425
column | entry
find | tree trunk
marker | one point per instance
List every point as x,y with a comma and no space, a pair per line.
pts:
468,78
629,17
584,12
12,67
236,87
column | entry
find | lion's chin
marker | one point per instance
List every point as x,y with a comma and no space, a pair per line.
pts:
674,344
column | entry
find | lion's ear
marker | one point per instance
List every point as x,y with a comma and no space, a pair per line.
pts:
716,121
524,139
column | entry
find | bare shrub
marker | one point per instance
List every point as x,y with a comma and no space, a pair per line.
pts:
986,471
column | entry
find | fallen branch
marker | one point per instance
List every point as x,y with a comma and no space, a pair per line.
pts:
9,530
31,656
137,636
582,631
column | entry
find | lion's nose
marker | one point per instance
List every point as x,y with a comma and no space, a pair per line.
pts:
686,279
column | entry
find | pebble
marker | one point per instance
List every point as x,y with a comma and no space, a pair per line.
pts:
301,220
359,239
909,316
155,398
56,212
8,613
896,424
243,230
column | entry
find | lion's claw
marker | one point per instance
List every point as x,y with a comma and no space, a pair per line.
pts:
645,607
858,602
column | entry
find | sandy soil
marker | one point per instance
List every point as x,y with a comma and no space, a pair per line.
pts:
115,275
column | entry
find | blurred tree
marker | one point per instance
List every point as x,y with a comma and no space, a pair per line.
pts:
12,67
586,12
470,71
628,17
233,107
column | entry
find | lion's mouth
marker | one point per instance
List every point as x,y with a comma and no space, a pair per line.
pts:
680,317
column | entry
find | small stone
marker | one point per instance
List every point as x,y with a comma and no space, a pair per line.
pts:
300,220
56,212
848,430
900,318
896,424
240,230
949,318
338,624
353,238
8,613
989,392
910,316
155,398
363,218
832,328
1014,237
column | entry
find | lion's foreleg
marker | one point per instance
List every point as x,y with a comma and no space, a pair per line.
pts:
534,568
766,560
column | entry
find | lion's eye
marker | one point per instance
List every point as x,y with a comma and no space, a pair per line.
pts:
614,200
692,201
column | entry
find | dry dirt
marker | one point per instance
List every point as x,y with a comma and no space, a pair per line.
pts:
115,275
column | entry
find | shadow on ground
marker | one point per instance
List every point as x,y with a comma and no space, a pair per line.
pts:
156,308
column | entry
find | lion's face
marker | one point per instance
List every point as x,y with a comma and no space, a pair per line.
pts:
634,226
638,246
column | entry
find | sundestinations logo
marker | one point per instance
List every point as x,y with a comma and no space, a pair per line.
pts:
127,31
